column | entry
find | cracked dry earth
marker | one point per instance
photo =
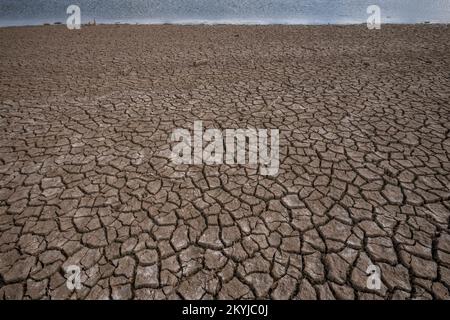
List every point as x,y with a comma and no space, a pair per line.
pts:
85,124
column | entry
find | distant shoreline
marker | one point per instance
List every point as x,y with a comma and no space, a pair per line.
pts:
222,24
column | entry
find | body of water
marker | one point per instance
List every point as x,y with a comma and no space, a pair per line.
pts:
35,12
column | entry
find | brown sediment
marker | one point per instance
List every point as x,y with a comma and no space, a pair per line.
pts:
85,123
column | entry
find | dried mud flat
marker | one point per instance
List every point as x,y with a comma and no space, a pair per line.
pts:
85,122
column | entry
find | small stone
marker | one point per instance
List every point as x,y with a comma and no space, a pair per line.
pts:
202,62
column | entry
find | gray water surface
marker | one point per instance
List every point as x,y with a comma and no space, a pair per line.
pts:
34,12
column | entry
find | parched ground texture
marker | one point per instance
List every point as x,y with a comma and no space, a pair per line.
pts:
85,124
